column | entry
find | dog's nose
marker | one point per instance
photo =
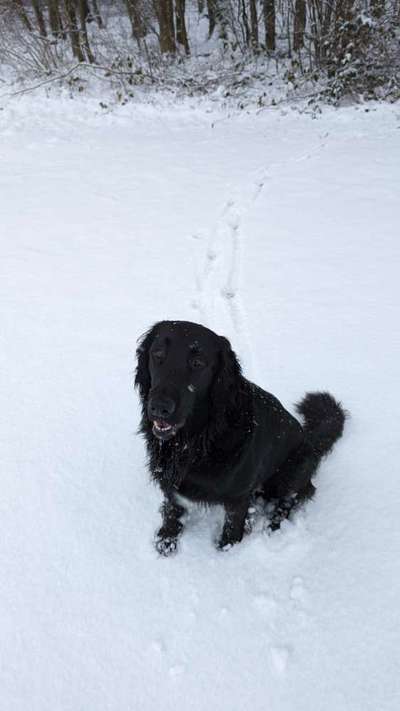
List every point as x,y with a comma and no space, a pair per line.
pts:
161,407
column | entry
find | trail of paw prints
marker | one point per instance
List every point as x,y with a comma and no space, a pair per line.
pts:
266,607
299,601
206,258
176,671
157,655
232,241
230,286
279,657
297,591
281,619
269,613
235,211
218,257
217,263
166,655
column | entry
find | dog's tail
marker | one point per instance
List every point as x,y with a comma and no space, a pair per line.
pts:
324,420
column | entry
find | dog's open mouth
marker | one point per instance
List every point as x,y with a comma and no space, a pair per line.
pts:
164,430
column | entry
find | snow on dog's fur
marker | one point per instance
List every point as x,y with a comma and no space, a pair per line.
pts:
216,438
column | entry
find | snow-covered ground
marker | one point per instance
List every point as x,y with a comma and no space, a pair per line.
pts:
282,233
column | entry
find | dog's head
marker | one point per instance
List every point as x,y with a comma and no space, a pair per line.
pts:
187,377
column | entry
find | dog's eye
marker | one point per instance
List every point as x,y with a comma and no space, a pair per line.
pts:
196,363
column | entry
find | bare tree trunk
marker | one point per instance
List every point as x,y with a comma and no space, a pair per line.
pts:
136,19
72,29
24,17
165,14
39,17
377,8
326,24
343,15
212,20
221,20
343,11
299,24
84,10
181,34
254,24
96,14
245,22
316,24
83,15
216,16
171,23
55,18
269,21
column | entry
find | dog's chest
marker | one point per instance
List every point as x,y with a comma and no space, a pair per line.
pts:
194,480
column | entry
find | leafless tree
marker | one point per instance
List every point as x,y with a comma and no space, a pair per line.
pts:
181,34
165,14
328,35
299,24
269,23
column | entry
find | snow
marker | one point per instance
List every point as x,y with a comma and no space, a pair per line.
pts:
280,232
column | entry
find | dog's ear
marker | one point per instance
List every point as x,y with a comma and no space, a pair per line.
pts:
142,375
226,387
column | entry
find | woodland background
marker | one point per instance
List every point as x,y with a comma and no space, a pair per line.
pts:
326,48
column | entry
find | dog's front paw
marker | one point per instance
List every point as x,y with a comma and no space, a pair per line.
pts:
166,545
225,543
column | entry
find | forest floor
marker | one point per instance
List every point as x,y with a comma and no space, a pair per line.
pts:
280,232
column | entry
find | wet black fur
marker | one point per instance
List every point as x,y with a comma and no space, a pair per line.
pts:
249,444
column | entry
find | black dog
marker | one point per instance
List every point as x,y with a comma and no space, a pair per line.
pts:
215,438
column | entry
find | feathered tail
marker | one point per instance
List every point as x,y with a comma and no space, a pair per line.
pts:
324,420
